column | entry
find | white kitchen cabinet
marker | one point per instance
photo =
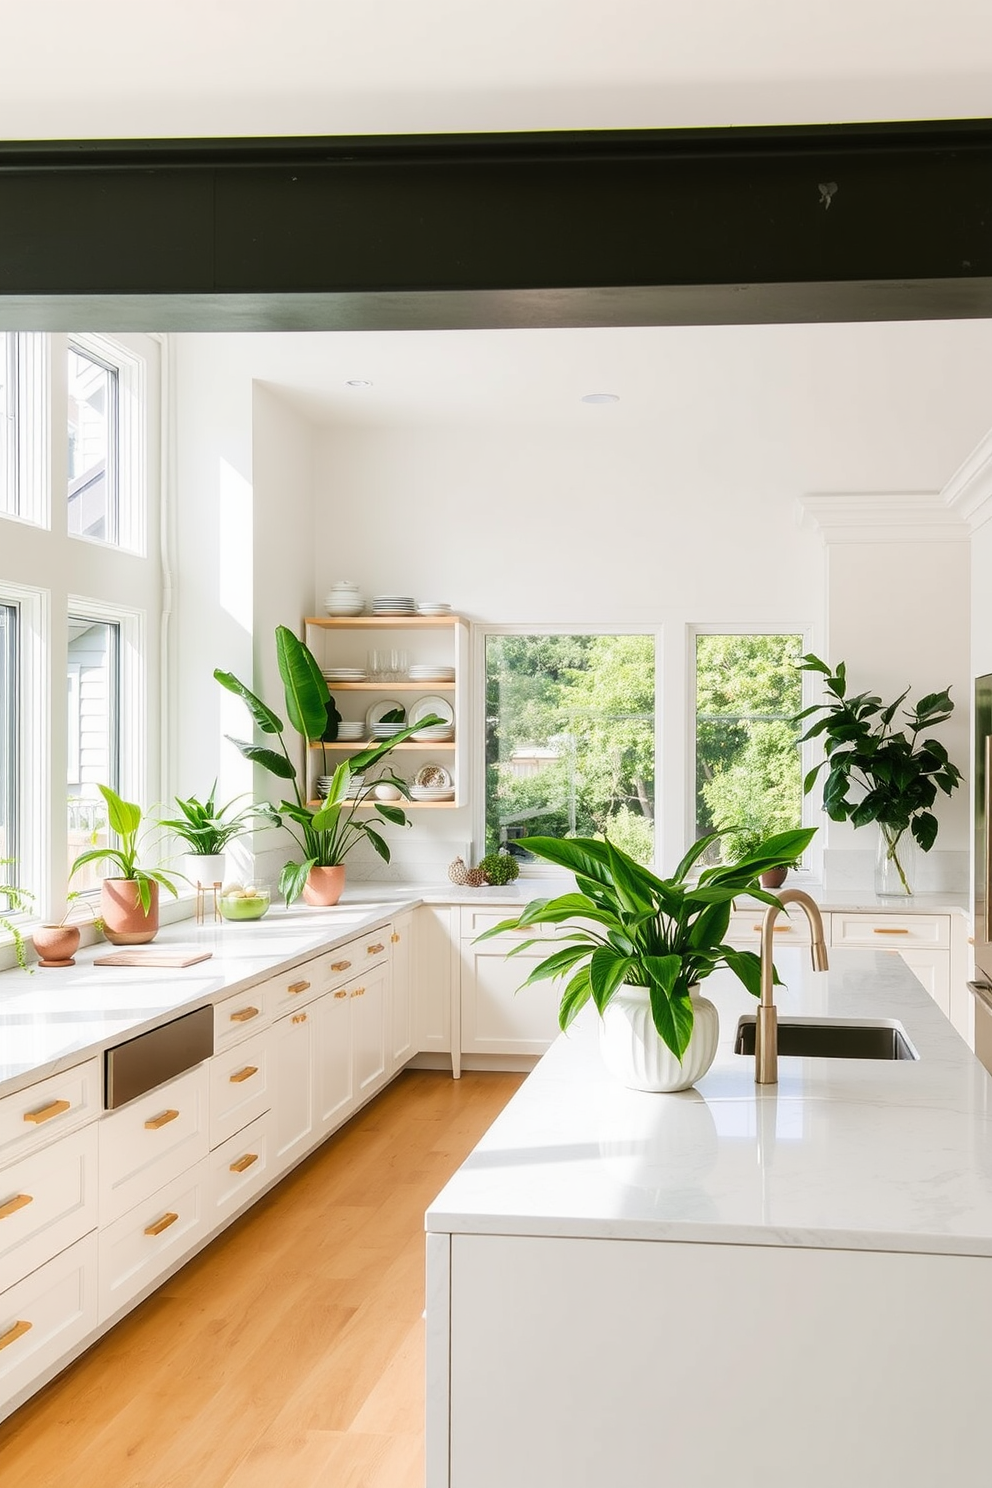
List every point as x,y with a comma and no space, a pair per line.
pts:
293,1119
36,1115
152,1140
369,999
48,1200
146,1241
45,1315
239,1086
435,973
402,1033
239,1169
334,1058
926,942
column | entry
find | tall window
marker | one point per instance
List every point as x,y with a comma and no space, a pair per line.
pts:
8,742
9,502
94,747
93,449
570,739
747,756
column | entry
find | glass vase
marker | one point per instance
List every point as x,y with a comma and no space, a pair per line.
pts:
895,861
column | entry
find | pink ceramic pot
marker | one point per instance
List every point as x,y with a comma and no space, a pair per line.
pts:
324,886
774,878
56,944
124,920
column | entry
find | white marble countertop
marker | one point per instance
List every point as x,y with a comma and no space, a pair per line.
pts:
852,1154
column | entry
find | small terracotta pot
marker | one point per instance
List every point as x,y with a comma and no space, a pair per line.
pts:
324,886
56,944
124,920
773,878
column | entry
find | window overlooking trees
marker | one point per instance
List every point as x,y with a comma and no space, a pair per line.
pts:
748,771
570,739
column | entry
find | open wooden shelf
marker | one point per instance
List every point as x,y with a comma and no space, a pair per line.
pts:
355,746
403,805
379,622
389,686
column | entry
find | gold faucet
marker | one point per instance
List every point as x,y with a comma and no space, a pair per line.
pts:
766,1032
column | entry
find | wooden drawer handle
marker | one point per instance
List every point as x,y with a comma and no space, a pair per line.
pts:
161,1224
889,930
295,987
14,1333
12,1205
243,1074
340,965
358,992
776,929
155,1122
342,993
395,938
46,1113
244,1015
374,950
244,1162
299,1017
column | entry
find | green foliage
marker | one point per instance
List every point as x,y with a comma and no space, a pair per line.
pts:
19,901
876,772
125,819
636,929
326,833
500,868
206,827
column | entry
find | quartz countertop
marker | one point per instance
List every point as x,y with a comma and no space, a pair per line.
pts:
851,1154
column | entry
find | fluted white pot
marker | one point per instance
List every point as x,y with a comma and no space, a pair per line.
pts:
204,869
636,1054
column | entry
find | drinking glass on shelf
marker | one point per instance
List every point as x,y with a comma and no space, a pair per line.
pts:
377,664
398,663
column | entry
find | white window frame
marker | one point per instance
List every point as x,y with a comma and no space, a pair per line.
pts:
131,701
29,460
130,443
33,728
477,738
812,865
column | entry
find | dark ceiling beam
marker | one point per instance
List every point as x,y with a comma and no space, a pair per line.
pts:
630,227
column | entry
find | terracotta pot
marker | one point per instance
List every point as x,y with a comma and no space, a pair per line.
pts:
56,944
124,920
324,885
774,878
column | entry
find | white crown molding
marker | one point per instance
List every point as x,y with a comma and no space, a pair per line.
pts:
883,517
969,490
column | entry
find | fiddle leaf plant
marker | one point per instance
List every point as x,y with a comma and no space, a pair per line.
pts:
876,771
324,833
624,926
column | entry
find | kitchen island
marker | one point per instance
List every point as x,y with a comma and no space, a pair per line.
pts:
785,1285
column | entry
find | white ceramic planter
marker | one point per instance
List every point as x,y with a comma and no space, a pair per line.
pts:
204,869
636,1054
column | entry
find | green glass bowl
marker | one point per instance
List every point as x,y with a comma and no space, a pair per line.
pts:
239,908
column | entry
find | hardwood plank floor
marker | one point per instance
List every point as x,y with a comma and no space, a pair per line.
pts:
289,1353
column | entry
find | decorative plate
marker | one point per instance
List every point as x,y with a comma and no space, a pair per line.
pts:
378,711
424,706
433,776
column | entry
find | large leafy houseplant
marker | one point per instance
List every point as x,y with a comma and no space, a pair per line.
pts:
207,828
327,833
125,819
877,772
624,926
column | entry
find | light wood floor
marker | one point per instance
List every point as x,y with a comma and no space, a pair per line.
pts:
289,1353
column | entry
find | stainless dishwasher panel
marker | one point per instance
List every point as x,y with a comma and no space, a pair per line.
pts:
152,1058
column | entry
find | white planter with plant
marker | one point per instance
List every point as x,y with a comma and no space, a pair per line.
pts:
206,829
645,944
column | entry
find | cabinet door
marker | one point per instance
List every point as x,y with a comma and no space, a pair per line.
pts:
932,968
292,1087
334,1082
496,1018
368,1028
401,992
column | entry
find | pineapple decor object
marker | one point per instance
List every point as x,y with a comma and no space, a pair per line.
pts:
475,878
457,871
496,868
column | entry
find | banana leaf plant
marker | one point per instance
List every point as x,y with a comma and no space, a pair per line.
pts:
325,833
624,926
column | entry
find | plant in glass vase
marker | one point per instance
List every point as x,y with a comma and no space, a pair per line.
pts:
877,772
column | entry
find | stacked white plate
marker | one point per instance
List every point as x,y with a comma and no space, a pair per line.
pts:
344,598
350,731
386,730
393,604
432,793
437,733
324,785
433,607
345,674
430,672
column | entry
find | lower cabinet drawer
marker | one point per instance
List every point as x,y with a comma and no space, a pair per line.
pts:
46,1314
241,1014
155,1138
890,932
745,928
239,1087
47,1202
31,1117
146,1241
238,1170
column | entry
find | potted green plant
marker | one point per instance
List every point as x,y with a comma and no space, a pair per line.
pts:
742,842
128,898
17,901
325,833
58,941
879,773
207,828
638,947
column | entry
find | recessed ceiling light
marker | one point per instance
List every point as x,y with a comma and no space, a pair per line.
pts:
358,382
601,397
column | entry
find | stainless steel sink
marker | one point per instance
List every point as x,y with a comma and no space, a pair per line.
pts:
811,1040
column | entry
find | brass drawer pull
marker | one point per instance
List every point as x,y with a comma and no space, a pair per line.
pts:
161,1224
244,1015
297,987
243,1074
45,1114
244,1162
374,950
156,1122
299,1017
358,992
776,929
340,965
395,938
889,930
12,1205
14,1333
340,994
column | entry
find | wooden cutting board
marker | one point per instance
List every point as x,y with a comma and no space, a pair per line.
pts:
152,958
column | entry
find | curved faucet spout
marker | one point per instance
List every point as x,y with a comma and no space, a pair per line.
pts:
766,1031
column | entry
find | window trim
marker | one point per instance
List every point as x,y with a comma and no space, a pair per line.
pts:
131,700
29,459
129,441
33,729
